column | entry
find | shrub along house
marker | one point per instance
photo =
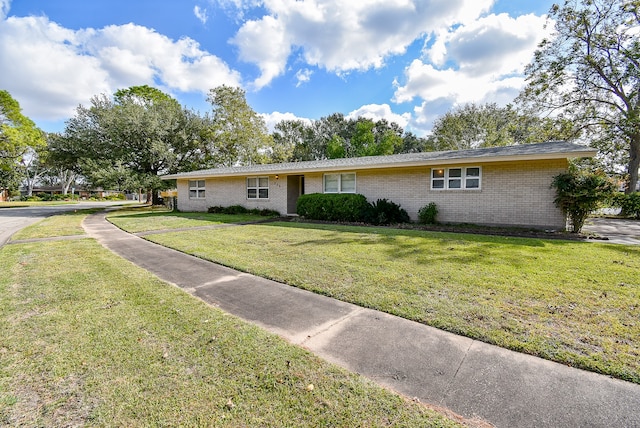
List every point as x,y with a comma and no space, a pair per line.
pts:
489,186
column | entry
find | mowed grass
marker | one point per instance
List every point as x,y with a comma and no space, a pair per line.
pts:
146,219
66,224
20,204
571,302
89,339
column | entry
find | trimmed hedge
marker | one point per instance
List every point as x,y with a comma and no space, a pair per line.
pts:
350,207
333,207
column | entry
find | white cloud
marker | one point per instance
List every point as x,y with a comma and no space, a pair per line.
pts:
51,69
489,56
5,5
495,44
303,76
272,119
201,14
238,8
41,67
376,112
343,36
265,43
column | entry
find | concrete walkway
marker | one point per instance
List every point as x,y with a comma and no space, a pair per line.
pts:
473,379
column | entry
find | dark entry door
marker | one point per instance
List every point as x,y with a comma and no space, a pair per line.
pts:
295,188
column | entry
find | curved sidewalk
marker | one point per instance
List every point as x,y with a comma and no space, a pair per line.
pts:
473,379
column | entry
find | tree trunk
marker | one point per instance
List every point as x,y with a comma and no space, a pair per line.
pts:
156,198
634,163
67,178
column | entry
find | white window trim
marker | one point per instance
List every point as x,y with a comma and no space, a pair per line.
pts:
201,192
257,187
463,178
340,174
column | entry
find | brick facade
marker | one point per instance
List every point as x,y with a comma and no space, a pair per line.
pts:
512,193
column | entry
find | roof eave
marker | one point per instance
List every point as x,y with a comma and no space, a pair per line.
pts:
408,164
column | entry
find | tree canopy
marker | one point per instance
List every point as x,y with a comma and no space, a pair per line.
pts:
239,135
18,135
588,72
129,141
471,126
336,136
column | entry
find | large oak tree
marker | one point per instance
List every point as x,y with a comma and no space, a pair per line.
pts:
130,140
588,72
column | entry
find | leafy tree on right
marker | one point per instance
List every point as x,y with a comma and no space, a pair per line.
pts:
588,72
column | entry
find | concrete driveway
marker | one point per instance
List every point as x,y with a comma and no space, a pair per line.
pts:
613,230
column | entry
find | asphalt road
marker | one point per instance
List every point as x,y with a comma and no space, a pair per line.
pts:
14,219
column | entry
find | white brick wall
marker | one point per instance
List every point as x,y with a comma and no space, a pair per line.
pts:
513,193
227,191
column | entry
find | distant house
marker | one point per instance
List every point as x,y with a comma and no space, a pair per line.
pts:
489,186
81,191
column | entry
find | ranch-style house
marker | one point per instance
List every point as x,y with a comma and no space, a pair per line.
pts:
488,186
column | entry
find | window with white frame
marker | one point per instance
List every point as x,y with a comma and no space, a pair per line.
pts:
340,183
196,189
468,178
258,188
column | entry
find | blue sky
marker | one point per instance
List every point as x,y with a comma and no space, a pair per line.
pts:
408,61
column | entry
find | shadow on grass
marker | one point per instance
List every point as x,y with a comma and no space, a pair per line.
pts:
214,218
627,250
444,237
432,246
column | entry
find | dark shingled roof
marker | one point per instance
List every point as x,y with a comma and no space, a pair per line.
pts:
550,150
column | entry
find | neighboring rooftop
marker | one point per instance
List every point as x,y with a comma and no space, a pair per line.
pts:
549,150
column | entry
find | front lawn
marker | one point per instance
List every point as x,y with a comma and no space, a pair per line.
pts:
88,339
146,219
572,302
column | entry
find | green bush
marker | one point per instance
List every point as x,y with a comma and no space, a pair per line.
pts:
628,203
115,197
236,209
348,207
384,211
239,209
579,193
428,214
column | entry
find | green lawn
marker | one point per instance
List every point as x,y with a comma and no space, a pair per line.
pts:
88,339
19,204
67,224
572,302
146,219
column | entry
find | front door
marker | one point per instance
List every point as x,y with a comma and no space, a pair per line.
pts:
295,188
